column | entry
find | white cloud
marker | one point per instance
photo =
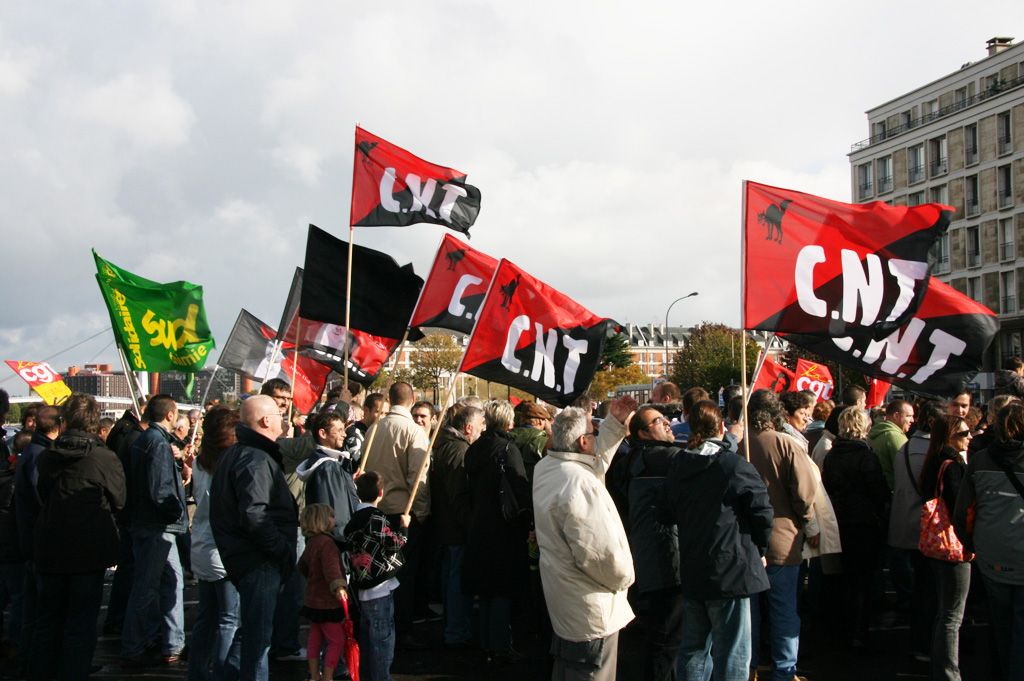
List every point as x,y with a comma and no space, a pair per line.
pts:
142,107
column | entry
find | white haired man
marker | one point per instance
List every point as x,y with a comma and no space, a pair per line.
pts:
585,563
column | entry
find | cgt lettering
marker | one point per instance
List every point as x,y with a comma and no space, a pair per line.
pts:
821,389
423,195
544,355
864,285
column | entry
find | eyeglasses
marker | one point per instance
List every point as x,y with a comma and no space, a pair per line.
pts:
660,419
963,433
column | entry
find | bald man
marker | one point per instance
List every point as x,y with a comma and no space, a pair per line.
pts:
255,524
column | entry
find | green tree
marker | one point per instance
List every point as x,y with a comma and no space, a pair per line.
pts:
616,353
607,380
437,355
14,416
711,358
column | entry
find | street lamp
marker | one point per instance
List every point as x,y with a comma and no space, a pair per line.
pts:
665,335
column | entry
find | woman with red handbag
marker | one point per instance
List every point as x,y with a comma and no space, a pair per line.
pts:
941,476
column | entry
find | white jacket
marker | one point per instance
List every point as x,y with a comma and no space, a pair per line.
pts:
585,563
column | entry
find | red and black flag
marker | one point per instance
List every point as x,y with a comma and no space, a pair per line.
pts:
531,337
815,266
775,377
937,352
455,287
250,352
393,188
326,342
383,293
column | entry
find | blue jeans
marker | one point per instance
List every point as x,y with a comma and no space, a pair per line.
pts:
377,637
285,637
215,648
69,607
1006,603
121,587
496,624
458,607
12,578
954,581
716,640
257,597
157,575
784,620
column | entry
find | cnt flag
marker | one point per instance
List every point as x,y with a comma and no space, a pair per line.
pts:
250,352
937,352
161,327
532,337
455,287
326,342
43,379
383,294
393,188
820,267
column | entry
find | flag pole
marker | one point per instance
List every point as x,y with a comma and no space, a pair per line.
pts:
348,296
273,358
433,438
130,380
746,397
366,448
761,357
743,318
295,368
202,415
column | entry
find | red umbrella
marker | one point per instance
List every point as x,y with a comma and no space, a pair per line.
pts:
351,645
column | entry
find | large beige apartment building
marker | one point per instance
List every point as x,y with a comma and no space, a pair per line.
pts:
959,141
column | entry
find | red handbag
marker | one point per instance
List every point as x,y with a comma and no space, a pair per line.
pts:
938,540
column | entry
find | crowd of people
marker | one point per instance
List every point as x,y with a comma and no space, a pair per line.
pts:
718,522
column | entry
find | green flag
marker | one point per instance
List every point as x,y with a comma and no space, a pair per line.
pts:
161,327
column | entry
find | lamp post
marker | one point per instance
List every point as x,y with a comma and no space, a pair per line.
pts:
665,335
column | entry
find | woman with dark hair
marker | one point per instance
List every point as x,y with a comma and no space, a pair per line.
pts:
992,494
799,406
942,473
214,648
854,481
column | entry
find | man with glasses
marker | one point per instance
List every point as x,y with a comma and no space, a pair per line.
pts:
279,390
585,563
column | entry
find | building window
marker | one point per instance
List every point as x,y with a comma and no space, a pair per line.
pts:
1008,281
974,289
879,133
1005,182
1005,133
1007,247
971,144
885,174
938,195
973,247
915,164
942,257
960,99
864,181
937,155
907,119
915,199
930,110
972,205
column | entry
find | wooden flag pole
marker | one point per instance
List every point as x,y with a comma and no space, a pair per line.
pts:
430,447
202,415
295,368
743,319
746,397
273,358
348,298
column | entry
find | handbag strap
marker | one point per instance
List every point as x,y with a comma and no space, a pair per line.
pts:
910,473
939,482
1011,475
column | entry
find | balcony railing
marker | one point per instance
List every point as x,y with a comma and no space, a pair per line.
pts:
915,174
885,184
942,264
971,155
1005,144
1009,304
1007,250
939,167
995,89
973,207
866,190
973,258
1005,198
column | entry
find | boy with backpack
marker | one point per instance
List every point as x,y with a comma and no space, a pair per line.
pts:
375,554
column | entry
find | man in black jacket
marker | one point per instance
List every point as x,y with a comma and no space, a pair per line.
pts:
81,486
158,516
255,524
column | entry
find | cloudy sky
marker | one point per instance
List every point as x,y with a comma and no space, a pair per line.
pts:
196,140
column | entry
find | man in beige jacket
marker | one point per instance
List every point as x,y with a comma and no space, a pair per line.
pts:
585,563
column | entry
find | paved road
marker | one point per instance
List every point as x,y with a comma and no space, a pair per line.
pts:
822,657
